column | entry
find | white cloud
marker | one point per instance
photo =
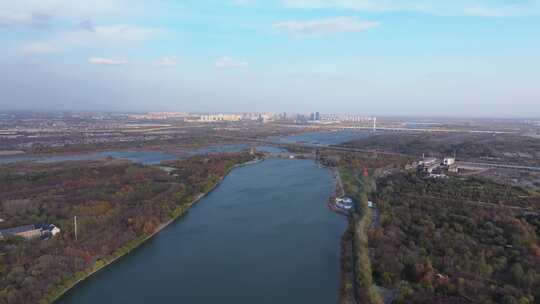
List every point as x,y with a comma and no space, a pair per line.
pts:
61,8
67,13
230,63
487,12
99,36
111,34
38,48
107,61
13,19
166,62
482,8
324,26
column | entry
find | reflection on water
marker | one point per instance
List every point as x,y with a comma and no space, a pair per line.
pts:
324,138
142,157
263,236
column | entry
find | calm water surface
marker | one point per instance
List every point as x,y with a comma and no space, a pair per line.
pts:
155,157
324,138
141,157
263,236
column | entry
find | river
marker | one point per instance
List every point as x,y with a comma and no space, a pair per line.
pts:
264,235
324,138
140,156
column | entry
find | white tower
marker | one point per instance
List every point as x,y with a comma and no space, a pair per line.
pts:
374,124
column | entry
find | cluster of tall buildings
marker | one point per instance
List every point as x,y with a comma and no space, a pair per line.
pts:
220,117
313,117
160,115
347,118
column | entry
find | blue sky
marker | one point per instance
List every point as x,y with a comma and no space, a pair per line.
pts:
390,57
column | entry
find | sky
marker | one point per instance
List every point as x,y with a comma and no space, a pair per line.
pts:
476,58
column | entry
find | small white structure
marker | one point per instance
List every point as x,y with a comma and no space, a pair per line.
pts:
344,203
428,162
438,176
449,161
55,230
371,204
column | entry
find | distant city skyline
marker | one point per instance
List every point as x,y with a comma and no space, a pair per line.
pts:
465,58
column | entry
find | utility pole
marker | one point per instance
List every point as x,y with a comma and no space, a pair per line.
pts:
75,220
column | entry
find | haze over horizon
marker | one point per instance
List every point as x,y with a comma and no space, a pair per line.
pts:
391,57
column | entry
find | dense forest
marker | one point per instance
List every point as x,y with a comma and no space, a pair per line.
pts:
118,204
456,241
487,147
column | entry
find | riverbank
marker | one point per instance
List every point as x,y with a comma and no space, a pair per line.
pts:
129,247
338,193
357,280
347,285
283,204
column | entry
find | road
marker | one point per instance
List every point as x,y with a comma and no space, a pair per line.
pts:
495,165
428,130
350,149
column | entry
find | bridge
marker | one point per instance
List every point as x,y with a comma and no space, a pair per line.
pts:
311,146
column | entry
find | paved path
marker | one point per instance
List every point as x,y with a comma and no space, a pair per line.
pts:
495,165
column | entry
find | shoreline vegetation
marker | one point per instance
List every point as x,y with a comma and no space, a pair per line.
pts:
346,295
135,244
123,251
356,274
356,174
119,206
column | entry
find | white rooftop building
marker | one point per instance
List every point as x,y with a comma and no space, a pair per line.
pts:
428,162
344,203
449,161
30,232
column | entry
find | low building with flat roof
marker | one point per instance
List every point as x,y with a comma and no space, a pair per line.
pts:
31,232
344,203
449,161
